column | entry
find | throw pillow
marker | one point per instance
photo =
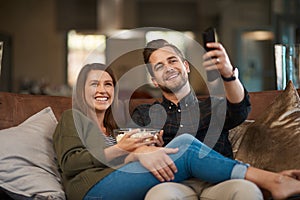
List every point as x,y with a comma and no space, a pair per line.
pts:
236,135
272,141
27,158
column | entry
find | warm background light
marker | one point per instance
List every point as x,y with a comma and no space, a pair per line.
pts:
259,35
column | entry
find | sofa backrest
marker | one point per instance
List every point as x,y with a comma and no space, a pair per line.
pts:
260,101
15,108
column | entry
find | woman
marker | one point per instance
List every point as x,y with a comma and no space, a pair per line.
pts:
88,154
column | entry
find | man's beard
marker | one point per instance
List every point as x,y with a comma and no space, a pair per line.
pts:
175,89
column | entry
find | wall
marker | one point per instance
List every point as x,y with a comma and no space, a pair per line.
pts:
38,49
255,58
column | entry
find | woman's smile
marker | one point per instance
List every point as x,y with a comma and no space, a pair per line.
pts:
101,99
99,90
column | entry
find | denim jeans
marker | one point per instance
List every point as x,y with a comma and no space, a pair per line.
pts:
194,159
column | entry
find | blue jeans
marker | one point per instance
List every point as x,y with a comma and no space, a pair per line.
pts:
194,159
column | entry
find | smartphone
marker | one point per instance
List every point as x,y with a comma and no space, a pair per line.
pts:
210,35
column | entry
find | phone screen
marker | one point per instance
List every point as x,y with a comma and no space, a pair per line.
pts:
210,35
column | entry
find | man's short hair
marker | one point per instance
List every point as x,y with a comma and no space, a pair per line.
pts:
153,46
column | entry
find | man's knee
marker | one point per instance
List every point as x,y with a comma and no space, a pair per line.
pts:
171,191
243,189
235,189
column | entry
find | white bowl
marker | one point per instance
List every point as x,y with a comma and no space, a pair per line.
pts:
142,133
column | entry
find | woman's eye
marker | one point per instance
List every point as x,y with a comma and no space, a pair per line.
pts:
108,83
94,84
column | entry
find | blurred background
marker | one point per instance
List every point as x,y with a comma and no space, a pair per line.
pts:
47,41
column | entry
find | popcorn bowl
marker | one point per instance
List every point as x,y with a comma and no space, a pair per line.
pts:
142,133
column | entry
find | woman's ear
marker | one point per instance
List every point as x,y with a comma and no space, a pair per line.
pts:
154,81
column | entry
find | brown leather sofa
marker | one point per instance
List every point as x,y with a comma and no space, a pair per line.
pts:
15,108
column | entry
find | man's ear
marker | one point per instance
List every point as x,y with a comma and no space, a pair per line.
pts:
154,81
187,66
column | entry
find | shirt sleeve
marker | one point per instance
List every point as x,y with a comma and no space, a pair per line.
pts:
237,112
72,154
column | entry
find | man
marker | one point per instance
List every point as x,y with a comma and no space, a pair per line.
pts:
183,113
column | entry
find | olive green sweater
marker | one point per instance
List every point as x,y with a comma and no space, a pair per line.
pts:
80,167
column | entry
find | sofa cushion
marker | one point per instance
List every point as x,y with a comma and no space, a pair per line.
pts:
27,158
236,135
272,141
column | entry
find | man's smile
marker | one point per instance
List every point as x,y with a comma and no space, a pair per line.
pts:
172,76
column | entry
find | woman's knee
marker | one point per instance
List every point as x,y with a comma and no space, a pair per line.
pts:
187,136
182,139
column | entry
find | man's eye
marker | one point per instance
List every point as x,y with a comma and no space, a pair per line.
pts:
158,67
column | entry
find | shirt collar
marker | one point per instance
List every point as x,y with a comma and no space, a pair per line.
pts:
186,101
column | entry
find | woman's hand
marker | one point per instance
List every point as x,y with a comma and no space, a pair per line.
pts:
156,160
159,142
129,144
126,145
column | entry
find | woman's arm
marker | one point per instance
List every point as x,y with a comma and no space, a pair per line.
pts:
72,155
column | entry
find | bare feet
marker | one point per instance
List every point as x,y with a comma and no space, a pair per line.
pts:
281,185
284,187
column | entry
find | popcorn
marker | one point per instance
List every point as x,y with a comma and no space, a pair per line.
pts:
119,137
142,134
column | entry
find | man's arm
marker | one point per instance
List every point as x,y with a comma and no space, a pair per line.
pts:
233,87
237,112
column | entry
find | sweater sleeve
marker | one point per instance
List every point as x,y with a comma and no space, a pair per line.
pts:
78,144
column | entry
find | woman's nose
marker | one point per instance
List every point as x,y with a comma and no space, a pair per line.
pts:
101,88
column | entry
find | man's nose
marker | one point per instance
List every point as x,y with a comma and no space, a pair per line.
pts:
169,68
